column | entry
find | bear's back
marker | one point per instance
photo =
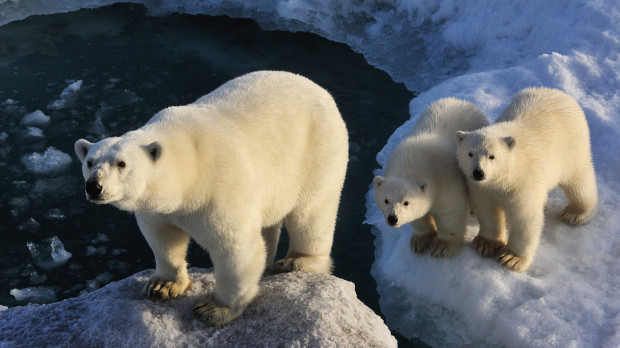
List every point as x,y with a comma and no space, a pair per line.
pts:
446,116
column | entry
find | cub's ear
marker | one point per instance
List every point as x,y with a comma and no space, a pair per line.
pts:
510,142
81,148
378,180
154,150
459,136
422,185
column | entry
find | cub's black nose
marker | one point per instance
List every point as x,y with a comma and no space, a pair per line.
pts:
392,220
478,174
93,188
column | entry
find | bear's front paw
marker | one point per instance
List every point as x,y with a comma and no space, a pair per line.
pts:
486,247
212,313
513,262
159,289
443,248
312,264
573,216
420,243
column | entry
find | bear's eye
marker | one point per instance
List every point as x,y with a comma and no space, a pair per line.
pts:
89,164
406,203
471,154
121,164
387,202
492,157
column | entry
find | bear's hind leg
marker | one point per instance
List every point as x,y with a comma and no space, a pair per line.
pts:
271,235
311,232
169,245
582,197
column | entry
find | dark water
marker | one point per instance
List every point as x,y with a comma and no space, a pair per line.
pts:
131,66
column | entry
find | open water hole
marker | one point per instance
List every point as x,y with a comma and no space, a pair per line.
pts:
131,66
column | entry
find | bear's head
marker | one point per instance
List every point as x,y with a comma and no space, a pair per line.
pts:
485,158
401,200
117,170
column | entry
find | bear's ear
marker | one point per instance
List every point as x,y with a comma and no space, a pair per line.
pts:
460,135
154,150
378,180
81,148
510,142
422,185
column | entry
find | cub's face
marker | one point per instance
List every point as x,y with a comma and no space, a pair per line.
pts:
116,170
485,159
401,200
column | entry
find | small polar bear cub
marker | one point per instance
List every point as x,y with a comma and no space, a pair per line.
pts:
423,185
540,141
265,149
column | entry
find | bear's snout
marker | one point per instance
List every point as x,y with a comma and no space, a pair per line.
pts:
392,219
478,174
93,188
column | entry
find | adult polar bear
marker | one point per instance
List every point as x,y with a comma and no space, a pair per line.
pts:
263,149
540,141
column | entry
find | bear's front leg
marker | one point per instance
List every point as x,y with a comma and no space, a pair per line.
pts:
525,223
491,237
239,261
424,231
169,245
451,219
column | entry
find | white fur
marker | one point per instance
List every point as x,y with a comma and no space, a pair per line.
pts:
423,184
265,149
540,141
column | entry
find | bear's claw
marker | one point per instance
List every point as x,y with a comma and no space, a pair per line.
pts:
159,289
486,247
441,248
211,312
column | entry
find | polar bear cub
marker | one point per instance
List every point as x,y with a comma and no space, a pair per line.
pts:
540,141
423,185
264,149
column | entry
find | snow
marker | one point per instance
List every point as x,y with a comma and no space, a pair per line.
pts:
291,310
484,52
52,161
35,119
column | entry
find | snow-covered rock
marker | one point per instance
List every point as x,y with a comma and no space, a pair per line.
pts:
292,310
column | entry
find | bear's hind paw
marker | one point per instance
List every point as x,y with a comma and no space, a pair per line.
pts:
211,312
159,289
312,264
573,216
441,248
513,262
486,247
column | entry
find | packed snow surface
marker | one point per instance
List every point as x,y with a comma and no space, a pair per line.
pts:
484,52
291,310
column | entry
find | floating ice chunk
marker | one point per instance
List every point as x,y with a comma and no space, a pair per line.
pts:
39,294
55,214
66,96
30,225
51,161
36,119
3,308
3,137
91,250
50,255
33,132
37,279
101,238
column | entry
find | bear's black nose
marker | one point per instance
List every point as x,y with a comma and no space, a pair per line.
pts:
478,174
93,188
392,220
